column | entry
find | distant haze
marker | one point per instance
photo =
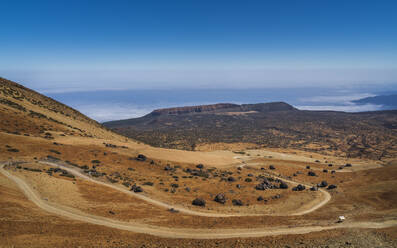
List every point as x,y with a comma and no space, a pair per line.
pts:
115,105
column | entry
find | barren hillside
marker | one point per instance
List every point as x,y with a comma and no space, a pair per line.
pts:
270,125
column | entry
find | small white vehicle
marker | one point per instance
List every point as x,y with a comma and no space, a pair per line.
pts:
341,219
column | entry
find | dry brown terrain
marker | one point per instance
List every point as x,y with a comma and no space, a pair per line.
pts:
66,183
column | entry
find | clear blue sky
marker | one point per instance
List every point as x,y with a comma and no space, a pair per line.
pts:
157,44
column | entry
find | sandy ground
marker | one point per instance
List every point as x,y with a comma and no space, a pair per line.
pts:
182,233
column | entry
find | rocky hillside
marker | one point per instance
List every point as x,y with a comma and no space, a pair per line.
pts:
277,125
27,112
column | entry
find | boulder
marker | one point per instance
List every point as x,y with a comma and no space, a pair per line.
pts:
136,189
231,179
237,202
220,198
283,185
311,173
332,186
261,186
323,184
198,202
300,187
314,188
141,157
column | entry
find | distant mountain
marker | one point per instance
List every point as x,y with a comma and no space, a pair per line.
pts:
387,101
277,124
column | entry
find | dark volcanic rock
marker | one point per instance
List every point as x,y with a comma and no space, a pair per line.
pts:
231,179
323,184
311,173
283,185
198,202
136,189
332,186
220,198
300,187
141,157
237,202
314,188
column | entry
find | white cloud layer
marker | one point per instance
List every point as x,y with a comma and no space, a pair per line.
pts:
344,108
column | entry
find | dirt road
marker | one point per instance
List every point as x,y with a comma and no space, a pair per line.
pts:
179,232
325,200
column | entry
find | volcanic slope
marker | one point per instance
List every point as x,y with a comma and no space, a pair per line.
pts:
66,181
266,125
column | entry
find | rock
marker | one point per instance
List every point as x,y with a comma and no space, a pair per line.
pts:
136,189
308,167
220,198
311,173
126,184
283,185
250,175
300,187
272,167
141,157
333,172
276,196
200,166
238,186
260,186
260,198
330,165
314,188
239,168
187,189
198,202
248,180
237,202
332,186
111,212
172,210
323,184
325,171
348,165
231,179
167,168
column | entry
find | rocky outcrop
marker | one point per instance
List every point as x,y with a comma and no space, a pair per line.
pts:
193,109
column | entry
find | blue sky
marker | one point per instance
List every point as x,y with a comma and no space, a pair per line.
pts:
81,45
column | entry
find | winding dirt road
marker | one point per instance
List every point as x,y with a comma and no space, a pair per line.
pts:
325,200
178,232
